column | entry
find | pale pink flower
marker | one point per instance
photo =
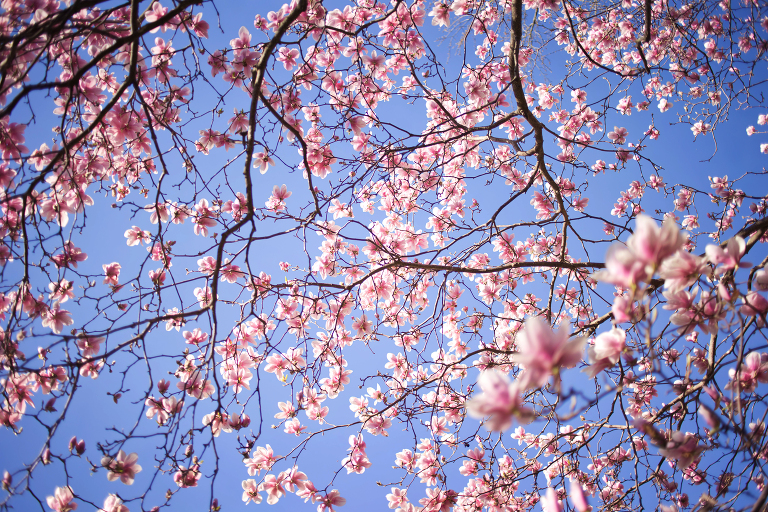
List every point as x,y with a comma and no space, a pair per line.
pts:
62,500
550,503
251,492
136,235
618,135
441,15
500,402
755,305
263,458
753,370
111,273
185,478
122,466
682,447
218,422
543,352
293,479
397,498
622,268
606,351
621,309
330,500
730,257
761,280
56,318
609,345
273,486
681,270
113,504
262,161
578,498
196,386
652,244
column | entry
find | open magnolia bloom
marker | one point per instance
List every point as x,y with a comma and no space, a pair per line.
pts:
605,351
683,448
123,467
499,403
543,352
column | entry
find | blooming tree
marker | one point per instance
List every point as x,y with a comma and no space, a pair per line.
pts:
326,226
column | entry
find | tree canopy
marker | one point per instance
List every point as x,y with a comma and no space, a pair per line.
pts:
432,255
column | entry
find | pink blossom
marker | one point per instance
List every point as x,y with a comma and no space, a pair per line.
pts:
262,161
263,458
753,370
56,318
136,235
761,280
618,135
330,500
273,486
550,503
122,466
578,498
622,268
543,352
681,270
397,498
196,386
187,477
730,257
755,305
251,492
113,504
294,479
500,402
606,350
62,501
682,447
441,15
652,244
111,273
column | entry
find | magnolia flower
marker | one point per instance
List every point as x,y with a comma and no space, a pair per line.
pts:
62,501
185,478
578,498
122,466
550,503
755,305
761,280
681,270
753,370
646,249
622,268
606,351
543,352
251,492
330,500
500,401
682,447
730,257
652,244
113,504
